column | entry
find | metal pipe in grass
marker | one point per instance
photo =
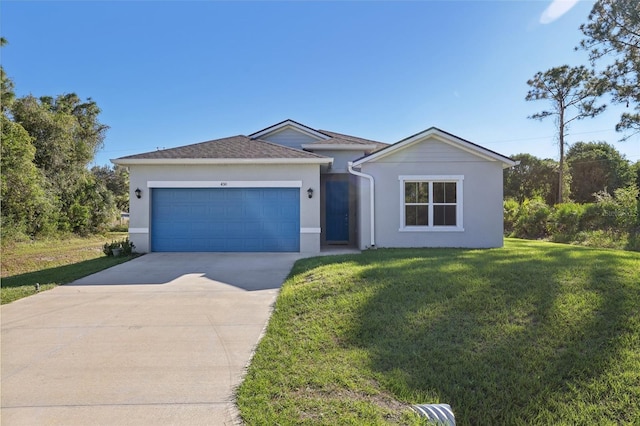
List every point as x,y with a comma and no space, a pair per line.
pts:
441,413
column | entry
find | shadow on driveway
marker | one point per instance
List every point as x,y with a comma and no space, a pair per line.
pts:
246,271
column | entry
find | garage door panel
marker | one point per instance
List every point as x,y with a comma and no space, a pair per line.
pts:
229,219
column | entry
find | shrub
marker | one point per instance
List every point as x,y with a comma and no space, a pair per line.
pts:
125,246
511,208
565,219
619,211
532,219
124,227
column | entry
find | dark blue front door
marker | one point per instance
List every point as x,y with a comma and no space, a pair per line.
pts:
337,211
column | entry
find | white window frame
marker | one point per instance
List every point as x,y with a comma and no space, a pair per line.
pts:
457,179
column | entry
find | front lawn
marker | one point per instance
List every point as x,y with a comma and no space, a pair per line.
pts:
534,333
51,262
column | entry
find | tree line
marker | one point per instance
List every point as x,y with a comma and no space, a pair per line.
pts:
590,168
612,39
48,144
591,192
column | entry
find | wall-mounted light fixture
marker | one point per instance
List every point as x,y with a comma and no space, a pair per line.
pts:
138,192
310,192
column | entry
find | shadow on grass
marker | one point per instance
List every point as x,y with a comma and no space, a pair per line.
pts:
62,274
522,336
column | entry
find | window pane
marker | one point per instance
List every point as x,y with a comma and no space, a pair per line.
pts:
438,192
410,192
438,215
410,216
444,215
450,215
423,215
416,216
423,192
450,192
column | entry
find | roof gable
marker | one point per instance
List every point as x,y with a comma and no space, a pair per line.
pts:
441,136
289,124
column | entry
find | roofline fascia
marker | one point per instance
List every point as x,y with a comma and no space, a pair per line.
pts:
283,124
159,161
339,147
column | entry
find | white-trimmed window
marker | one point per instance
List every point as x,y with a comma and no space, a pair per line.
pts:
431,203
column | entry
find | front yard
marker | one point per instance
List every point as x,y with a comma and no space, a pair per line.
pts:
51,263
534,333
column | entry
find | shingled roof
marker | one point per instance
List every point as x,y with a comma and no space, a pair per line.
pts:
235,147
341,139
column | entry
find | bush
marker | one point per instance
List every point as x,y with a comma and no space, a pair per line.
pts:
532,219
613,221
565,219
125,247
119,227
511,209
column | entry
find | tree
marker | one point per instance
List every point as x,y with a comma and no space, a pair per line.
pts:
635,172
6,85
532,177
596,167
25,204
613,32
116,180
572,92
66,135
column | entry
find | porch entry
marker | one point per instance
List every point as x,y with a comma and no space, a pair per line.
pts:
337,211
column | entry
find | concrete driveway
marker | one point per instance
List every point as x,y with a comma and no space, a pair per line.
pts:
162,339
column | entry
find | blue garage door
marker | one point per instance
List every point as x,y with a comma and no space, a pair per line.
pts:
229,219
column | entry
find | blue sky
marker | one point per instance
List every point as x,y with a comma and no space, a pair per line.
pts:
167,74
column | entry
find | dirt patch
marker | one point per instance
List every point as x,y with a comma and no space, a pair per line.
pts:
394,409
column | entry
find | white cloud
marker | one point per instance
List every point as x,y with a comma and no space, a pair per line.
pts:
556,9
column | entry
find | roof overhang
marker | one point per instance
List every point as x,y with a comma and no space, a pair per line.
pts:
441,136
161,161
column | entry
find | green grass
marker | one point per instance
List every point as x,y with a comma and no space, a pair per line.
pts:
50,263
534,333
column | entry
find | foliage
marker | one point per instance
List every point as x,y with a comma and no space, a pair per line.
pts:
511,211
595,167
7,94
635,173
532,219
622,207
572,92
26,205
116,180
533,177
532,333
47,144
612,37
612,221
565,219
125,247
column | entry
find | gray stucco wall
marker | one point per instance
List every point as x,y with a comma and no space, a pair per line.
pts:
309,174
482,197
